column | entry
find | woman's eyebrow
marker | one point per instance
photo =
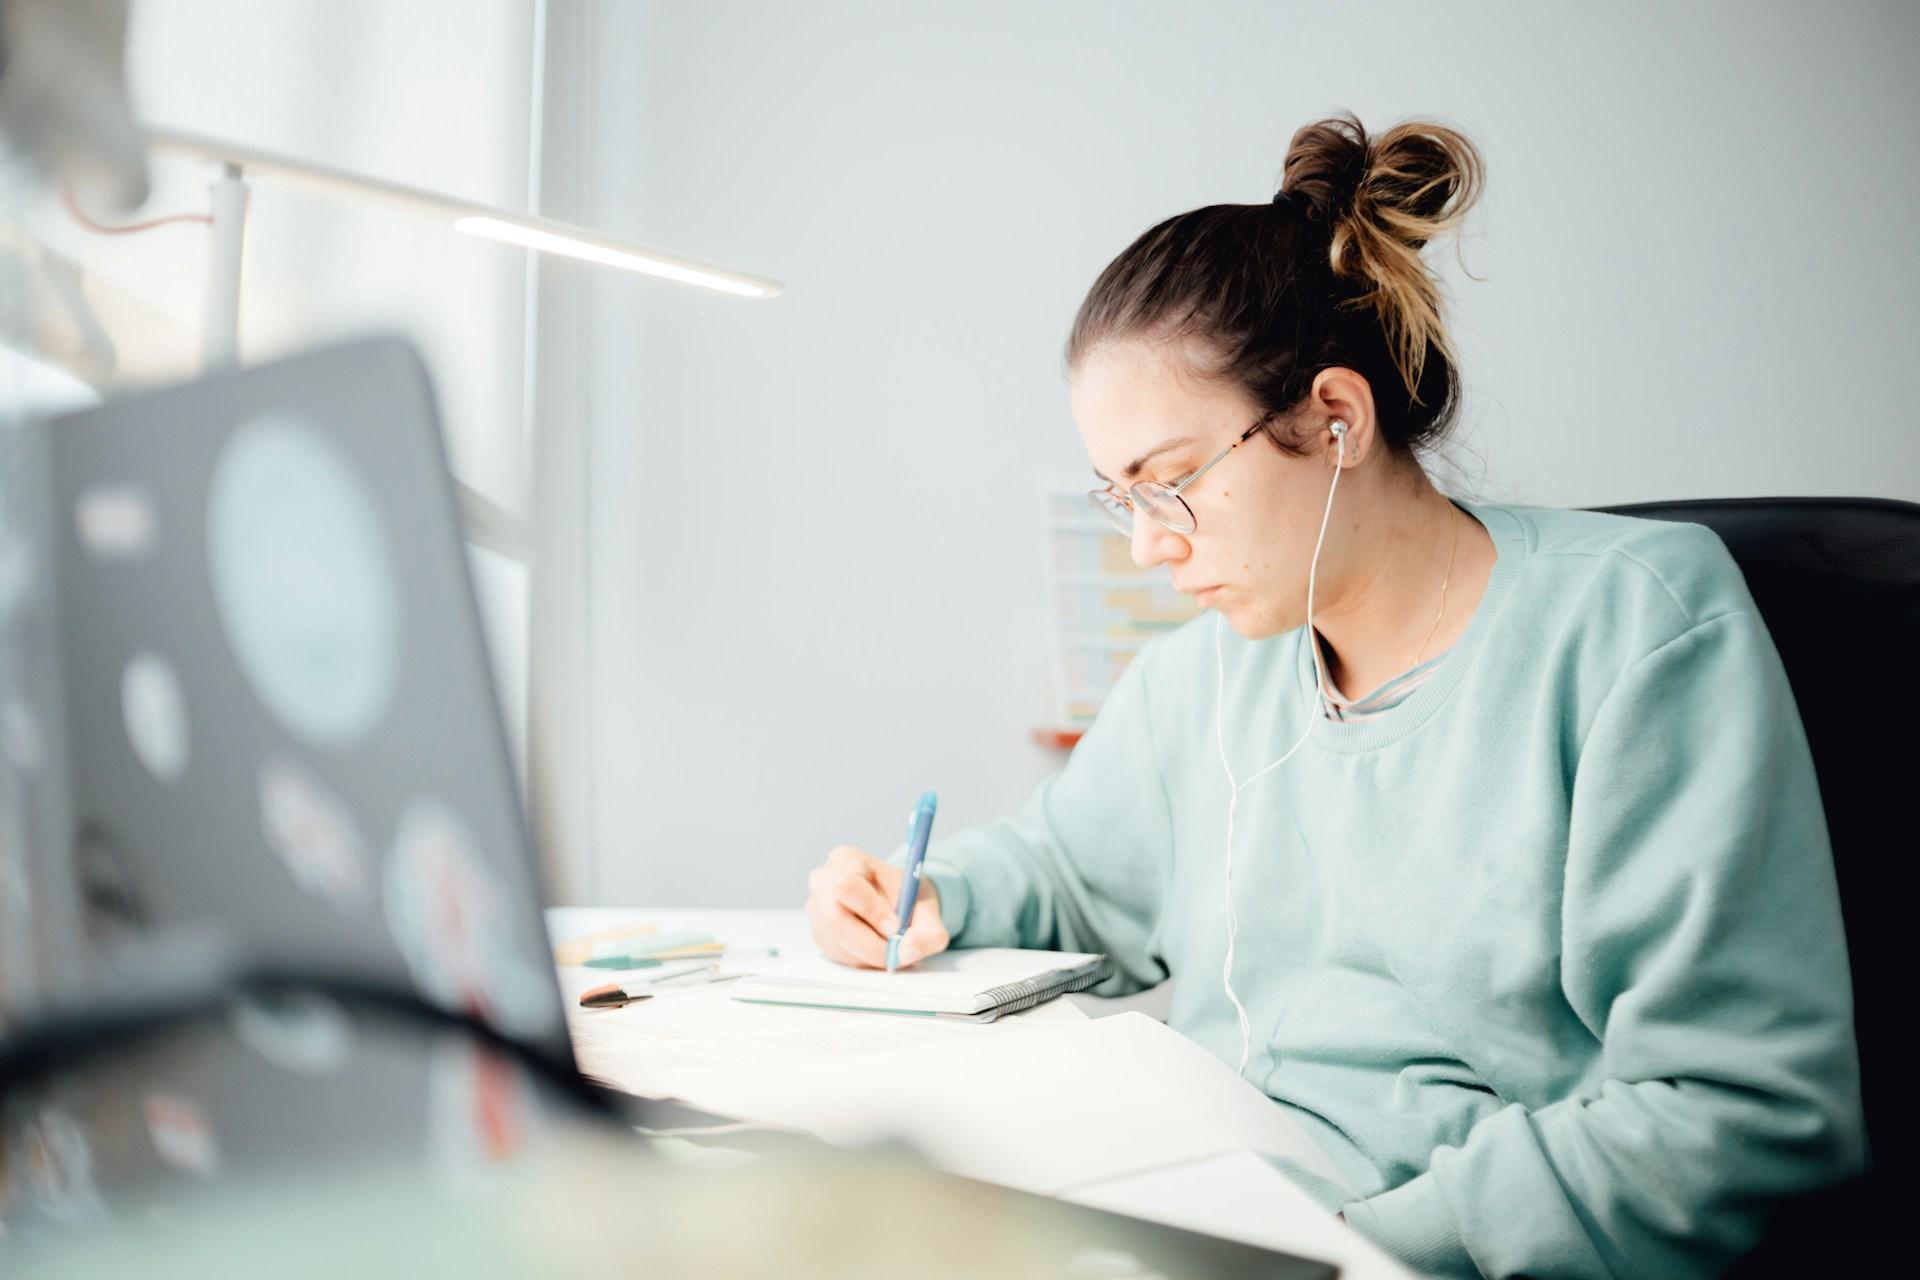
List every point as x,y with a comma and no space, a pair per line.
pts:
1133,468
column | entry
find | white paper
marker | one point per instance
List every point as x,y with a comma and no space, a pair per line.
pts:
669,1045
1157,1052
949,981
1044,1108
1242,1197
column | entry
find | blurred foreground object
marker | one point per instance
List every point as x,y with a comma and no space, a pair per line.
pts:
589,1205
63,97
118,1154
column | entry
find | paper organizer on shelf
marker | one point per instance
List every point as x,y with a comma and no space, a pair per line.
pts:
1104,607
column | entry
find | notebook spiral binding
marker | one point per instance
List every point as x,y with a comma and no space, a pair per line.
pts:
1012,997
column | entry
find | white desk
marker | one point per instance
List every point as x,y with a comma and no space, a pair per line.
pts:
664,1045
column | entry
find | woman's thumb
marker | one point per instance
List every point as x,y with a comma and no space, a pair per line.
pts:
925,936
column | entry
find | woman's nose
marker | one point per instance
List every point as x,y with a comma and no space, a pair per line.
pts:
1153,543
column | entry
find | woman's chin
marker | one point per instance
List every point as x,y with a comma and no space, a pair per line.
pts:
1250,624
1238,620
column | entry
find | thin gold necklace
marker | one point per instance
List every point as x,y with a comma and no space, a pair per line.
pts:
1452,547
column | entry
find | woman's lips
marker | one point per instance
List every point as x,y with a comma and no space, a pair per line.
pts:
1202,594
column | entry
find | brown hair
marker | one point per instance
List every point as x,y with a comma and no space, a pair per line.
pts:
1329,274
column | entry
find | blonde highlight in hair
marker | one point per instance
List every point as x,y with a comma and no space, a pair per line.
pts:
1329,274
1416,182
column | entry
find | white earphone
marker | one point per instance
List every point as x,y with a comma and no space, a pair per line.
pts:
1339,430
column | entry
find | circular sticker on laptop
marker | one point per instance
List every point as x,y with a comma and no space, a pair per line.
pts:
313,834
448,913
155,711
303,580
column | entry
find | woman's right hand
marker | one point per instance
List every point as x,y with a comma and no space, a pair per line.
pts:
850,901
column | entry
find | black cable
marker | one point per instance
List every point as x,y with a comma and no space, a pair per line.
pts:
46,1042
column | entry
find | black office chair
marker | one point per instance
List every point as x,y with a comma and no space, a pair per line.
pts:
1837,581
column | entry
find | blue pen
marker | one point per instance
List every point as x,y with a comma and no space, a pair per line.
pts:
919,827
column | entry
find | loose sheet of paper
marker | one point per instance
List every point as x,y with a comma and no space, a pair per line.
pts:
1242,1197
1044,1108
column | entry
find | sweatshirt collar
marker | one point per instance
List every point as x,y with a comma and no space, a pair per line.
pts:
1346,738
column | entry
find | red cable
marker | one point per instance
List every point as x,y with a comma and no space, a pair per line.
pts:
79,215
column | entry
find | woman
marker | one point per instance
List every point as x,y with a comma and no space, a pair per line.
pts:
1483,838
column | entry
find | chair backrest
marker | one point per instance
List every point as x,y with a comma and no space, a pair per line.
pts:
1837,581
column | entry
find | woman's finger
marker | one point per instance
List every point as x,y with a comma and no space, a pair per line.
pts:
861,898
852,941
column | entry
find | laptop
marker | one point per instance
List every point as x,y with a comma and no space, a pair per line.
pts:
284,737
279,707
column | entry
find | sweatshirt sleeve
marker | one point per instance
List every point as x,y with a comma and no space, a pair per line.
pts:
1702,946
1083,864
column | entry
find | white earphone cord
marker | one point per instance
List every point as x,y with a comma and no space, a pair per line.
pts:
1219,734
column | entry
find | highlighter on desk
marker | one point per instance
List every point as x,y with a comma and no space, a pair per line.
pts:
919,827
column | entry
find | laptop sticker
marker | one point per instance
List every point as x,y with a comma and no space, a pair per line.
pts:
16,574
313,834
304,1034
182,1136
54,1162
115,522
155,711
20,744
447,911
479,1112
304,581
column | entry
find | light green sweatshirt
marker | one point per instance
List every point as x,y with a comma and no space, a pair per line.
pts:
1548,958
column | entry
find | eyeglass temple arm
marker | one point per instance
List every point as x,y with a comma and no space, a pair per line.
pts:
1212,462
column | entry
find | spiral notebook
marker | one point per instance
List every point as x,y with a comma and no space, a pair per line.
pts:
977,984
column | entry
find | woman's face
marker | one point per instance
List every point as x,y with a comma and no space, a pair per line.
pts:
1144,415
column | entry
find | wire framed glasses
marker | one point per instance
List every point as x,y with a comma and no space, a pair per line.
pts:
1162,502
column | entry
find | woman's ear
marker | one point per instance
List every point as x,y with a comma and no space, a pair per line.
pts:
1345,398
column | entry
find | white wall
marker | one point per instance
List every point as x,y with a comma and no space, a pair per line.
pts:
814,527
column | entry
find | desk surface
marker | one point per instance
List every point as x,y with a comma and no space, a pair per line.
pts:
663,1046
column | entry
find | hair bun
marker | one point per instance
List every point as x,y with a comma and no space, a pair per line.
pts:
1385,198
1327,164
